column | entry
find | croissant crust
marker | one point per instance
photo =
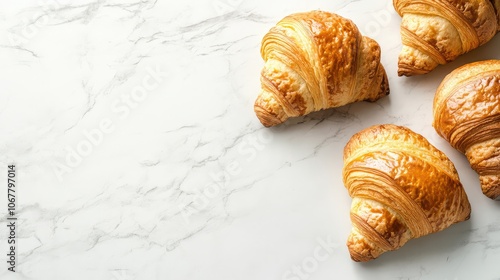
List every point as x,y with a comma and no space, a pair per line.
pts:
402,188
467,114
314,61
436,32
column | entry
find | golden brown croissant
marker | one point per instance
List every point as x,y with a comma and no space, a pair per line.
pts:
314,61
402,188
438,31
467,114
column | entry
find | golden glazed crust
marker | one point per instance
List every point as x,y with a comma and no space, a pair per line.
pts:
402,188
496,5
467,114
435,32
314,61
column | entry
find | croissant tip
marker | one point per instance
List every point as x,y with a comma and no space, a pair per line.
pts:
358,252
359,257
266,118
404,72
408,70
354,259
490,185
385,85
494,194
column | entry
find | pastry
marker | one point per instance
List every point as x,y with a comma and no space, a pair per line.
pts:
436,32
313,61
402,188
467,114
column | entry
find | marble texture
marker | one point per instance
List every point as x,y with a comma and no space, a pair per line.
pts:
139,155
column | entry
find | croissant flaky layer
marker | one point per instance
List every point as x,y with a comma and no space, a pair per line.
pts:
435,32
402,188
467,114
313,61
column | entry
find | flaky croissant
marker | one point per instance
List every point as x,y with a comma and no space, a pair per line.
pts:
467,114
438,31
402,188
314,61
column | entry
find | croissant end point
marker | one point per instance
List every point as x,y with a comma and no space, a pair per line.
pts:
385,89
406,70
354,258
266,118
358,251
403,73
357,256
493,195
490,186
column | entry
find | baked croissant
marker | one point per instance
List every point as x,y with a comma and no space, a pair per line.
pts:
314,61
467,114
402,188
435,32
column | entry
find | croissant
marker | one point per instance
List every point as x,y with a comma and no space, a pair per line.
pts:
402,188
436,32
467,114
313,61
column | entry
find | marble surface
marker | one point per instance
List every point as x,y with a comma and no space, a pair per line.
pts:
139,156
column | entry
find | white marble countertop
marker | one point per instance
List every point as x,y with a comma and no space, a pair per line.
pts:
138,154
